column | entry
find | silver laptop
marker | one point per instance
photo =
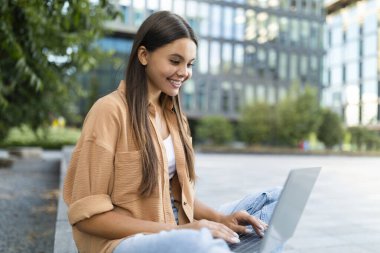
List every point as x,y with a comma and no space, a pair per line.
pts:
286,215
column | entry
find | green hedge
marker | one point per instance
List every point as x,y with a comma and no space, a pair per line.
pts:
48,138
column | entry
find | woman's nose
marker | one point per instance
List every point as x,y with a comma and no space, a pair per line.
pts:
182,71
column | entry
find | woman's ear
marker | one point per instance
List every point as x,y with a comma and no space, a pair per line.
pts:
142,54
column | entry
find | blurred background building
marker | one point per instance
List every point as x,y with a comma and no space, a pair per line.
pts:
351,69
249,50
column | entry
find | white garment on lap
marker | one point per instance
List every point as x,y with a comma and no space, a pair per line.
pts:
169,147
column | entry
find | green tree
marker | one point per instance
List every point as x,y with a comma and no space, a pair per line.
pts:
43,45
298,115
215,130
364,139
257,123
330,131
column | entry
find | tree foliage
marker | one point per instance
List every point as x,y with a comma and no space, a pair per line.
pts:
298,115
214,130
257,123
364,139
43,45
330,131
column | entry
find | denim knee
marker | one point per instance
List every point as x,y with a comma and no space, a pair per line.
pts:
194,241
174,241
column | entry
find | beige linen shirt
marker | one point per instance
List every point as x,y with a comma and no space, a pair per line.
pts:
105,172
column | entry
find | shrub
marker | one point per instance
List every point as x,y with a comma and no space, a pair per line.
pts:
330,131
50,138
364,139
257,123
214,130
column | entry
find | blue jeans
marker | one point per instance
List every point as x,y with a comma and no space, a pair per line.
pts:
193,241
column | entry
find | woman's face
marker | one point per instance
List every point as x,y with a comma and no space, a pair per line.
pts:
169,66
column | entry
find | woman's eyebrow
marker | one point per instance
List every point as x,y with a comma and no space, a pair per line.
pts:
181,57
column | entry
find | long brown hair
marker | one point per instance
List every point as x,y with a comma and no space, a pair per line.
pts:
157,30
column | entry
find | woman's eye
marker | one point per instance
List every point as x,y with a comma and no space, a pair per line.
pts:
190,65
174,62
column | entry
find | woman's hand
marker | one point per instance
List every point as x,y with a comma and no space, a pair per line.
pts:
218,230
237,222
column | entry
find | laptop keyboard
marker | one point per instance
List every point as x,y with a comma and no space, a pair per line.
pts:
248,243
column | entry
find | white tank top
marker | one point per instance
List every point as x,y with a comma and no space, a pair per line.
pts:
169,147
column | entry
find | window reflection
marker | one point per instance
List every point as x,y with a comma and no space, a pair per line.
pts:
214,57
239,24
204,19
283,66
227,57
239,58
216,18
203,56
369,68
370,23
228,22
370,45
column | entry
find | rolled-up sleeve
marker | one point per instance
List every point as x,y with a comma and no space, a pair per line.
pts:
89,178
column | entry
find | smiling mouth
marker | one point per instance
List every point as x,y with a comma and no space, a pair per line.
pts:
175,83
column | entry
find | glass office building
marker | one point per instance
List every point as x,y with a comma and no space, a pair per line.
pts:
351,69
249,50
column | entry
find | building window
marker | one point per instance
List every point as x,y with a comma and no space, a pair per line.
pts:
293,67
240,21
369,69
216,19
353,49
305,32
370,23
303,65
227,57
204,19
202,98
249,94
284,30
238,58
238,99
228,22
335,56
352,31
226,92
336,76
215,57
370,45
272,59
283,64
188,95
295,31
203,56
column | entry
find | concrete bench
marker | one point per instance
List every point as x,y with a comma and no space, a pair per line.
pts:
63,241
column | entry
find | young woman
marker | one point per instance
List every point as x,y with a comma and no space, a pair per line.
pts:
129,186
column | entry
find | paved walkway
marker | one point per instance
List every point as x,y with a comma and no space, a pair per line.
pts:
343,212
28,201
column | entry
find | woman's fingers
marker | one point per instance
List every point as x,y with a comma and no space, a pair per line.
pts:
241,229
258,225
220,230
